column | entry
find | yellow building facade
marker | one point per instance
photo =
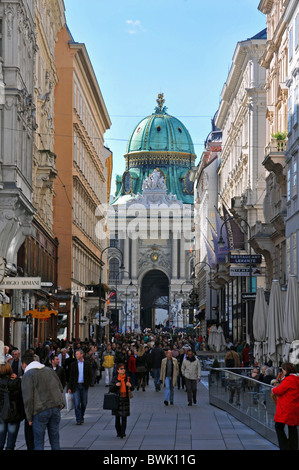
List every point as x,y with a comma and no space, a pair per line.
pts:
84,168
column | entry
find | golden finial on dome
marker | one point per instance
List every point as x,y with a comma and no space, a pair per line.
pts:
161,108
160,100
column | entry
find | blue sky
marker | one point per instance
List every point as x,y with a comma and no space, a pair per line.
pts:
182,48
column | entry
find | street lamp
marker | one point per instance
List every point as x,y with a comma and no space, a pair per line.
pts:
129,285
181,292
100,287
116,279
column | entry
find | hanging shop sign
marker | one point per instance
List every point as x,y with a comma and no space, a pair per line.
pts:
245,271
245,259
41,313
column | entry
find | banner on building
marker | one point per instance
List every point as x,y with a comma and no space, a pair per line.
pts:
235,236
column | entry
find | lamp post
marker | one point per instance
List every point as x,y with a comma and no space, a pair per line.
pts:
129,285
100,286
181,292
116,279
210,286
221,242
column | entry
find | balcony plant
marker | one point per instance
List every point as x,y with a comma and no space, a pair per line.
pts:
280,137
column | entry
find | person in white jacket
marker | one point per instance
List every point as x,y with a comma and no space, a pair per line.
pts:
191,371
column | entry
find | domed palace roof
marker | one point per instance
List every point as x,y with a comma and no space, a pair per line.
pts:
160,132
162,142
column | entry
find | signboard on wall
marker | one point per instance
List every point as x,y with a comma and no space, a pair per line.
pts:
244,271
24,283
245,259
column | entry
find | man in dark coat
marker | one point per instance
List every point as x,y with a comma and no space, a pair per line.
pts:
59,370
155,356
80,379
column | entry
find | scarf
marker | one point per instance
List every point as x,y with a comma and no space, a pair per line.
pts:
123,388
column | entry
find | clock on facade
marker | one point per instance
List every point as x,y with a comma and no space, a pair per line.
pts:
127,182
154,257
2,269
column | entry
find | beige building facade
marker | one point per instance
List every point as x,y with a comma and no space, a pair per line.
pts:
241,180
269,236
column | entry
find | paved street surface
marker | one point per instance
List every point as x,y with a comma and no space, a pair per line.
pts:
152,426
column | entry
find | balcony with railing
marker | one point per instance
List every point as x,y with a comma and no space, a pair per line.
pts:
275,155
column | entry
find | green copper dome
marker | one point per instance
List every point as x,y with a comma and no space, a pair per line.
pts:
160,132
160,142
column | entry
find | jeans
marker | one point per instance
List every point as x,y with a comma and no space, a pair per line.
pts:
9,431
191,387
108,375
80,396
50,420
156,375
168,392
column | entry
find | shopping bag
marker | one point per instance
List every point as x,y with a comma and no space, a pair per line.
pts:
69,401
111,401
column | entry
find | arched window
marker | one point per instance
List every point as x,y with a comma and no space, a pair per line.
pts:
113,268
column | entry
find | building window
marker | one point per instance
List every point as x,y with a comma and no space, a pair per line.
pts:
290,115
113,268
291,44
296,31
296,105
289,184
1,39
294,176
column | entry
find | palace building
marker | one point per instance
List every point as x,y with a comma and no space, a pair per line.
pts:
150,224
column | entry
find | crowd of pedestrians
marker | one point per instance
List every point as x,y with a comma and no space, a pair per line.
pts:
39,378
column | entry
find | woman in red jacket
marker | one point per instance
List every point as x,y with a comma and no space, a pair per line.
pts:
287,408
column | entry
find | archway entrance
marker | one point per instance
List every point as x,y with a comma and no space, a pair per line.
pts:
154,302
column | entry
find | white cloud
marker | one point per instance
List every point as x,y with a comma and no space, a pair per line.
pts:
135,27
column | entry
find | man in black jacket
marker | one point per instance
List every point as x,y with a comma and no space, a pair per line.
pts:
59,370
155,356
81,378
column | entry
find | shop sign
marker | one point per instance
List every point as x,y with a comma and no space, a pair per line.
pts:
245,271
23,283
245,259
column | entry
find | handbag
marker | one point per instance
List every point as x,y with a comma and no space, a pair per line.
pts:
69,400
111,401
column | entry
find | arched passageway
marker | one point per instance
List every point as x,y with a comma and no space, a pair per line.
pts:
154,302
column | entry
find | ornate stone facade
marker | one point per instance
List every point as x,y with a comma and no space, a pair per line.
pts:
241,176
269,236
150,222
18,124
291,18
